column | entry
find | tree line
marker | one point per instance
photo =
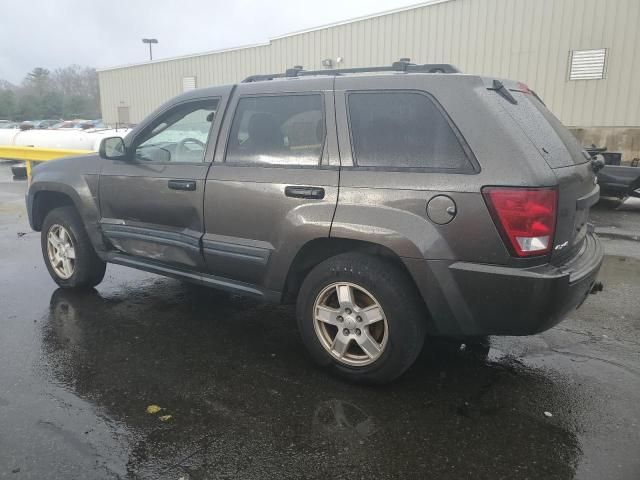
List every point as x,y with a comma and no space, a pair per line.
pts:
70,92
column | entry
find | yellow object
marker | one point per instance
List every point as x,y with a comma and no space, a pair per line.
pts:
164,418
151,409
36,154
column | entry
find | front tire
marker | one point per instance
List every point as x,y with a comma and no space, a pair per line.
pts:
361,317
68,253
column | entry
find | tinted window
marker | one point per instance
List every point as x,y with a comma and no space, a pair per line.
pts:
179,135
554,141
402,130
283,130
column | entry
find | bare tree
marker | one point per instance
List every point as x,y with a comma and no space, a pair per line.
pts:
76,80
79,87
70,92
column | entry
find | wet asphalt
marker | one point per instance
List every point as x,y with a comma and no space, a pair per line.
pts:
611,213
78,371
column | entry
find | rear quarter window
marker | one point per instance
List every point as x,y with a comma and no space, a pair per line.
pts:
403,130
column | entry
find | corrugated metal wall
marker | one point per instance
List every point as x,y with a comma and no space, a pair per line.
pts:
527,40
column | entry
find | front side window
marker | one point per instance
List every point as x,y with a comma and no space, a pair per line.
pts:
403,130
179,135
277,130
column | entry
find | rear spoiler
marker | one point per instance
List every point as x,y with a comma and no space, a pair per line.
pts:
504,86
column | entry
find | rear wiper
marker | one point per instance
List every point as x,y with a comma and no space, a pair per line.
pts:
499,87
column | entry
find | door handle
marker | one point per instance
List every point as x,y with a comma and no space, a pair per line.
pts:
316,193
188,185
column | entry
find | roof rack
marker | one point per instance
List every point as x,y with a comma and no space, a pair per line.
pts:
402,65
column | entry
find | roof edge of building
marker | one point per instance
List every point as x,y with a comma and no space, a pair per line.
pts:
383,13
182,57
280,37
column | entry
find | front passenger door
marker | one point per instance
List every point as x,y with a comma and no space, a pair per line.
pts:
151,205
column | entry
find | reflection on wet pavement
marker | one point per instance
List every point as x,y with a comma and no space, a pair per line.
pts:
245,400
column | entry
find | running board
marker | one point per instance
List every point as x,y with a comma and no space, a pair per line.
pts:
205,279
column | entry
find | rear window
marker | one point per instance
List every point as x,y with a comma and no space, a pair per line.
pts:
558,146
403,130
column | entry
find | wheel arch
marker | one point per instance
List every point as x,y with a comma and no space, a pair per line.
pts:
45,196
46,200
320,249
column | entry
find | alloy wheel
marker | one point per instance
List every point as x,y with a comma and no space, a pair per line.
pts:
350,324
61,251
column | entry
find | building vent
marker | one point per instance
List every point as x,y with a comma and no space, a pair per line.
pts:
188,83
587,64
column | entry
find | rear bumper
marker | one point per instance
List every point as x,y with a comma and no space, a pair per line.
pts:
478,299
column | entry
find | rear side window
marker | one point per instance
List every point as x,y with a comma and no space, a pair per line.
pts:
277,130
398,130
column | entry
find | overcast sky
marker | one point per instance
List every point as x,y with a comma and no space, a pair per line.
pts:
57,33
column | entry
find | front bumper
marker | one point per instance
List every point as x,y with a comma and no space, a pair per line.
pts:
28,200
478,299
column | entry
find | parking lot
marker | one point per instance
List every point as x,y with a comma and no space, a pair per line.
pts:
80,369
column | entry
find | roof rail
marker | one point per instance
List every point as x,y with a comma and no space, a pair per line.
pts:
402,65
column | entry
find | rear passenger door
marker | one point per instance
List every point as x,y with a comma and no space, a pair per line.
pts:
274,183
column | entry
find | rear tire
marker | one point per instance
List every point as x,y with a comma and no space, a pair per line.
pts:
372,334
68,253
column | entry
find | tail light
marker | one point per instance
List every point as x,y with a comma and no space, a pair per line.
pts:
525,217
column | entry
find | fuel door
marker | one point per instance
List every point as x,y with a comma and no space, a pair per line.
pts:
441,209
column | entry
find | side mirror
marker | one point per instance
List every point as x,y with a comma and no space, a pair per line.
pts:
113,148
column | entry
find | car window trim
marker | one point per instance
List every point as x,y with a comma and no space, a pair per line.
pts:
278,165
321,159
471,158
154,122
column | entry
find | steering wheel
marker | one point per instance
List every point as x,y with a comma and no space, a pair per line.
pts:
181,147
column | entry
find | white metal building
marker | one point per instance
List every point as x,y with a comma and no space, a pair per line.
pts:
581,56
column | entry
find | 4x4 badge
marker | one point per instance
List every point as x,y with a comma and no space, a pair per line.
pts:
562,245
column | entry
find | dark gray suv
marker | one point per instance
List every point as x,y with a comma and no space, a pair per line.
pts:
390,203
